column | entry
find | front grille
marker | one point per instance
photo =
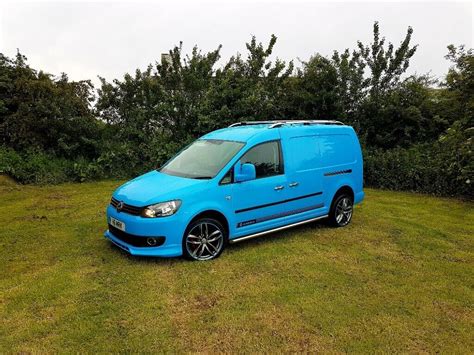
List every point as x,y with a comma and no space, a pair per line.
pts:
135,240
136,211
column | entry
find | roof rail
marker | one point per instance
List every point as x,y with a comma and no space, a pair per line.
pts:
279,123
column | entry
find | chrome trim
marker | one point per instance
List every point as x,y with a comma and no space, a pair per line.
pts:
250,236
276,125
279,123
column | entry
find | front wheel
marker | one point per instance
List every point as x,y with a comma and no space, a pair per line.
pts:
342,207
204,239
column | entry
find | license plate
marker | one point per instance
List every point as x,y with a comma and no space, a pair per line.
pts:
117,224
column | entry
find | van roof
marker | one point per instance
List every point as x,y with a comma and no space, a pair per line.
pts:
243,131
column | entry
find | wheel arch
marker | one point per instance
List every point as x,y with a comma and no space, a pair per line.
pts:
344,189
214,214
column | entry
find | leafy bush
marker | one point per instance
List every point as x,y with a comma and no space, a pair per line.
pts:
443,168
41,168
119,161
33,167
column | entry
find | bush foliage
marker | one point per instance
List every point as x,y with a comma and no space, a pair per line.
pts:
416,132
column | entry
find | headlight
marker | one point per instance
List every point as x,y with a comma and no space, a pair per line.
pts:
162,209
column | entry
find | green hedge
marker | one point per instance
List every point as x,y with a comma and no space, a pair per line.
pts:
120,162
41,168
444,168
433,169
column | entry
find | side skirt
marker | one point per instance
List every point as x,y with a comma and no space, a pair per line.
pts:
250,236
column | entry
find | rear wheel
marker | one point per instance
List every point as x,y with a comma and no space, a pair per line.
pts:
341,211
204,239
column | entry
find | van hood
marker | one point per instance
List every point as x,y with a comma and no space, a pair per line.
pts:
154,187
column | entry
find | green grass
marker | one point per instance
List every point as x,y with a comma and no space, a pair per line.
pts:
400,278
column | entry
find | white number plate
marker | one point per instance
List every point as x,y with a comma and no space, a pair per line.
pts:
117,224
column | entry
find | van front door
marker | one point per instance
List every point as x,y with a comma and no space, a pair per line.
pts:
258,203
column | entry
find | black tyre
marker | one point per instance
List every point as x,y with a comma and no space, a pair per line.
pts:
204,239
341,211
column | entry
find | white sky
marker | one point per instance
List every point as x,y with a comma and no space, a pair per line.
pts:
86,39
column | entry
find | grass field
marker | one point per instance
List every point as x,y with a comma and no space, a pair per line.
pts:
400,278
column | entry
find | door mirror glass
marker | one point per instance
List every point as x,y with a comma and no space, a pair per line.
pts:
244,172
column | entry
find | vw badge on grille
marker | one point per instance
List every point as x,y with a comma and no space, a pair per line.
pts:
119,206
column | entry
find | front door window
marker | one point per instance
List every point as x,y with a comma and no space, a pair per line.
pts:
267,159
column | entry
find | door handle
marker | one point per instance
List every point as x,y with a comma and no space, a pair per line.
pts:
280,187
294,184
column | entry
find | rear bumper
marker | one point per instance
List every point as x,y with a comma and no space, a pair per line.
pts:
359,197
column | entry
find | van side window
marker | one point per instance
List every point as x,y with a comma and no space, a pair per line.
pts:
336,149
267,159
228,178
304,153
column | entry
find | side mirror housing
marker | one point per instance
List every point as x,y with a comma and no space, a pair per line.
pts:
244,172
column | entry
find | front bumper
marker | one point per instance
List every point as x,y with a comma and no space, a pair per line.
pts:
162,251
172,228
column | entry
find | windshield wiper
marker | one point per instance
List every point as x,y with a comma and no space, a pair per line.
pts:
201,177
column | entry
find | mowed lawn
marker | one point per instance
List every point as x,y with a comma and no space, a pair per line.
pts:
400,278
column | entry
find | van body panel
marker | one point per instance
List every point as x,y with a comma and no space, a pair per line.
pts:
294,183
304,174
249,214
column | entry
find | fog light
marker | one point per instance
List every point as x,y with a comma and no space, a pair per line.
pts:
151,241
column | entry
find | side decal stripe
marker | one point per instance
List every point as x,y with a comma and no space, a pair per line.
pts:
279,215
277,203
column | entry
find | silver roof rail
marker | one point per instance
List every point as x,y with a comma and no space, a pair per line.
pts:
279,123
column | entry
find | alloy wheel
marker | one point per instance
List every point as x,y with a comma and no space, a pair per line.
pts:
204,241
343,211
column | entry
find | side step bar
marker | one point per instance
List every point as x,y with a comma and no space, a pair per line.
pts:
250,236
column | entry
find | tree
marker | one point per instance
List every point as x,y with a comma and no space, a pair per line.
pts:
314,92
459,83
385,69
410,114
250,89
39,111
351,83
386,65
185,84
459,96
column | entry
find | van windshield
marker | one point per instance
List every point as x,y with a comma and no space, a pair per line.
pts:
202,159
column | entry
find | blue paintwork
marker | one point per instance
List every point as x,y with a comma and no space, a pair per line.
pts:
314,157
244,172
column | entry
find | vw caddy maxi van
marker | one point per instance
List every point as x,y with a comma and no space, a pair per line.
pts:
236,183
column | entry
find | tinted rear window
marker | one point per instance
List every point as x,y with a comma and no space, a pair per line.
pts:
336,150
312,152
304,153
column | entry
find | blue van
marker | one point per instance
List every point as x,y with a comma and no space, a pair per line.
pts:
236,183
